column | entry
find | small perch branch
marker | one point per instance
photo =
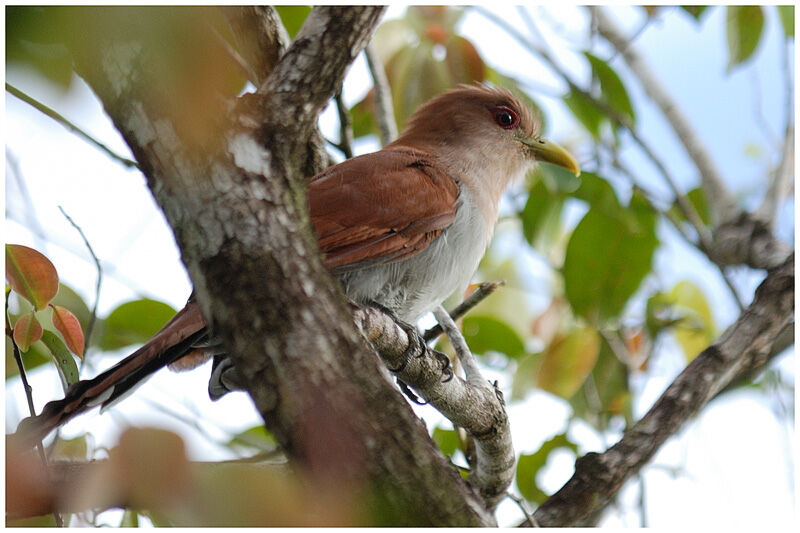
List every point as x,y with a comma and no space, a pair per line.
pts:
477,296
473,405
471,370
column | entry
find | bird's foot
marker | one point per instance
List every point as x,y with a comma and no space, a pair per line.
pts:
415,341
447,374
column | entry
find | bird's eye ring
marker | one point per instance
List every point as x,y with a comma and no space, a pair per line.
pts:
505,117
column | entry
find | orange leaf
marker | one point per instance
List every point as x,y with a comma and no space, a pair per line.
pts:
568,360
27,330
69,327
31,275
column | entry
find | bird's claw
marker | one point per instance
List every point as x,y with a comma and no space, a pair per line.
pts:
447,367
405,389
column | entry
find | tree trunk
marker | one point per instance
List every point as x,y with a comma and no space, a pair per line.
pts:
230,183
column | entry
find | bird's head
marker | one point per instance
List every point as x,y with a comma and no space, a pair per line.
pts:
489,122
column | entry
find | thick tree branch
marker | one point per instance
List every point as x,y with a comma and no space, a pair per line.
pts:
262,40
746,345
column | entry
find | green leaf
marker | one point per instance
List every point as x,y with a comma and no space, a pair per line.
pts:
447,440
598,193
31,275
67,369
508,304
557,178
134,323
47,520
484,334
525,376
695,330
76,449
256,437
786,14
541,216
565,363
390,37
743,30
605,391
129,519
32,35
697,198
293,17
362,116
586,112
530,464
607,257
611,86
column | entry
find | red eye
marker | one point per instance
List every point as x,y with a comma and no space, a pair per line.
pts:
506,117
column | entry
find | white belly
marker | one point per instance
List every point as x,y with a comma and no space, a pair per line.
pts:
414,286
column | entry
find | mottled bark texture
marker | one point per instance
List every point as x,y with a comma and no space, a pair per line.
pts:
231,187
746,345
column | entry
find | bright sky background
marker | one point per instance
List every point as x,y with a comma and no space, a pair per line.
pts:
737,458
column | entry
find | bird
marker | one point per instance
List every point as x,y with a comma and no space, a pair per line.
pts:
402,228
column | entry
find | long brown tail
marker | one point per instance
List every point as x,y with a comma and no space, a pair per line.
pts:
177,339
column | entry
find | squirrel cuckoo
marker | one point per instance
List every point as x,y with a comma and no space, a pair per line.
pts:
402,228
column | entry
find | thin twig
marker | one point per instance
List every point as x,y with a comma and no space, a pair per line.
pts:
69,125
29,211
245,68
529,520
484,289
345,126
471,370
93,317
758,111
384,110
